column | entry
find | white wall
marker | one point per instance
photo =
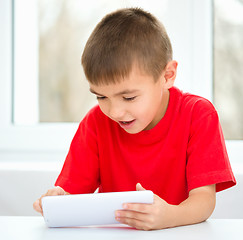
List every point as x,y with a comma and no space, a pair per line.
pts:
229,203
21,186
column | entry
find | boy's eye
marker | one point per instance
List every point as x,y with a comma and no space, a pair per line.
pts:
100,98
129,98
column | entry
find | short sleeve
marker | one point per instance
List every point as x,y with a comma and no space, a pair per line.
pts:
207,158
80,172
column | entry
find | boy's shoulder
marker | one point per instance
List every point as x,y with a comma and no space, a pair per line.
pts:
196,100
95,115
95,110
196,105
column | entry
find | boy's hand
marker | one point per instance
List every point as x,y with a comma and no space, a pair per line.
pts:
51,192
146,216
196,208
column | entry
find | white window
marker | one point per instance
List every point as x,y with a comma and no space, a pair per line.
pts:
52,42
228,72
43,91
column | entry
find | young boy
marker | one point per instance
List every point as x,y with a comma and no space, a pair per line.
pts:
145,133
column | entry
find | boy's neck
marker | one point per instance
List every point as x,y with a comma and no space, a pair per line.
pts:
162,109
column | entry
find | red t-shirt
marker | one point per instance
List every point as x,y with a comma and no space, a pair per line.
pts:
185,150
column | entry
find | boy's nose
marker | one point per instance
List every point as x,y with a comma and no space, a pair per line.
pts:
116,112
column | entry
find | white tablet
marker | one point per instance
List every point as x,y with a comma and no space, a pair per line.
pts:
89,209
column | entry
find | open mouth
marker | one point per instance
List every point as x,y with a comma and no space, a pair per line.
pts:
126,124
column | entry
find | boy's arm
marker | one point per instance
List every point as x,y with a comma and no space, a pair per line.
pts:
196,208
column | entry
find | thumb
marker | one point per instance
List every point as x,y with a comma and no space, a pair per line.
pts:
139,187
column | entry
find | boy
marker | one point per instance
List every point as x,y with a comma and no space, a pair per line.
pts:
145,133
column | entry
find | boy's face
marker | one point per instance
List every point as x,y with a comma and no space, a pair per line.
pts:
136,103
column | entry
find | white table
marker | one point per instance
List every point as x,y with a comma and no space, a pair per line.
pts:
34,228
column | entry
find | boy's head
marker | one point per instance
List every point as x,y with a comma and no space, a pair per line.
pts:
124,39
127,61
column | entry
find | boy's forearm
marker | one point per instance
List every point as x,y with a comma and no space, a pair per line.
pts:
196,208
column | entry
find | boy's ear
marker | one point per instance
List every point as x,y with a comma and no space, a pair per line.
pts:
170,73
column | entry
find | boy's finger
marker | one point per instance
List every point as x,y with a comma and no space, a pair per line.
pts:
139,187
122,214
138,207
37,207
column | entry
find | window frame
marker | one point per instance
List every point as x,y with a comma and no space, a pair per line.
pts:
22,142
53,139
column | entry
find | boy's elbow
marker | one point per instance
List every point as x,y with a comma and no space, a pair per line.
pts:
211,205
206,201
210,198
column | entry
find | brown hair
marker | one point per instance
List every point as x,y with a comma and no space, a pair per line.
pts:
121,39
